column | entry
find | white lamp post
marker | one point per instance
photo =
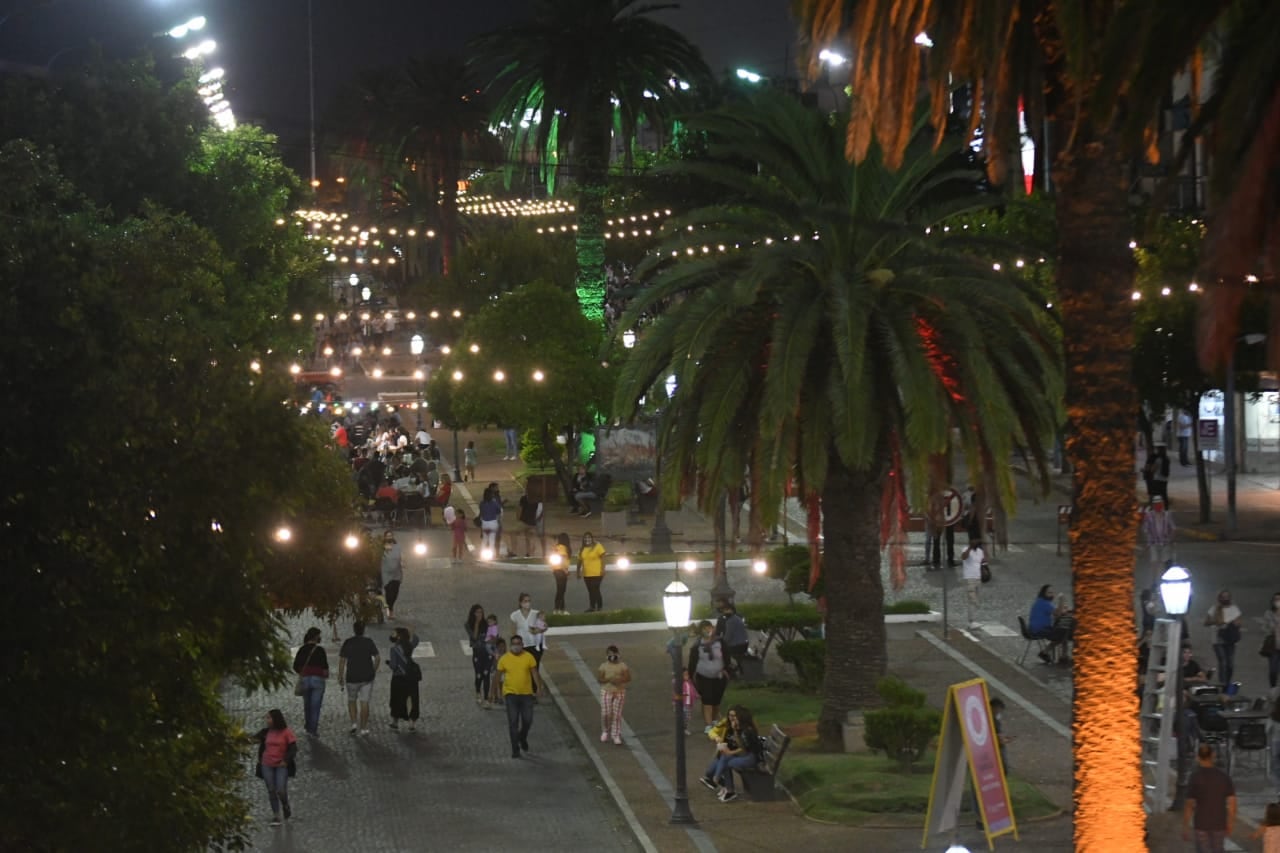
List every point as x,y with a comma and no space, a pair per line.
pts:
1175,592
677,604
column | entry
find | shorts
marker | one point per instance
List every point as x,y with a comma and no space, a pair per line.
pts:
710,690
359,690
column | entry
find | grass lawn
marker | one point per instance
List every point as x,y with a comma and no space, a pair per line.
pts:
852,789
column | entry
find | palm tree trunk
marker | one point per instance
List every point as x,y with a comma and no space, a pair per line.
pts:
591,148
1095,280
855,656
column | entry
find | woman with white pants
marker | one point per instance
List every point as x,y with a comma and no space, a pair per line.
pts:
490,522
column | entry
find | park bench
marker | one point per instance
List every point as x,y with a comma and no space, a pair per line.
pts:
760,781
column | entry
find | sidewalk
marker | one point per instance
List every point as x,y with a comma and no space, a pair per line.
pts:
643,769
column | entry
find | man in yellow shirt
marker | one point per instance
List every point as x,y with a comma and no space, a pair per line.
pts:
591,569
518,670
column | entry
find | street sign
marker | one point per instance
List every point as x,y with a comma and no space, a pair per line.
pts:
968,742
952,506
1209,437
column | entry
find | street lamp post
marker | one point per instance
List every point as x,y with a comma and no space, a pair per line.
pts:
1175,592
677,604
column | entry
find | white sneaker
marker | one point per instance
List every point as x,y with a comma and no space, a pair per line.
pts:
354,728
364,732
604,737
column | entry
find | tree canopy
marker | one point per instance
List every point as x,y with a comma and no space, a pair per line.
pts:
149,460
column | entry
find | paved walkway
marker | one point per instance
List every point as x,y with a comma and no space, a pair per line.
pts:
443,787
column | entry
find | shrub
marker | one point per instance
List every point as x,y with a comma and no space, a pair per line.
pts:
533,453
790,564
779,622
906,607
618,498
809,657
905,728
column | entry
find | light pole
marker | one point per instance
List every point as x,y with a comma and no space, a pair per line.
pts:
1229,426
1175,592
677,604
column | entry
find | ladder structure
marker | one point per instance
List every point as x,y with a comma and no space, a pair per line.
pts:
1157,712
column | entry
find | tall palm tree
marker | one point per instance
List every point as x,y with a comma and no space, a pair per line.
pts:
417,129
821,328
557,79
1097,71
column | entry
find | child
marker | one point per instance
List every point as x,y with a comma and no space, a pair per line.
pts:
688,692
613,675
459,528
492,635
469,462
1269,831
495,683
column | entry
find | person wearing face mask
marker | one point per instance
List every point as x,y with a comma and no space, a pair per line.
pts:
707,666
1225,618
530,625
1271,642
614,676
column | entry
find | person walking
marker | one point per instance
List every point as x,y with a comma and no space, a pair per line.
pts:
1271,644
971,572
1184,438
1159,465
591,570
277,754
614,676
513,443
559,561
392,571
1225,618
732,630
530,514
469,462
1210,808
312,665
358,662
530,626
490,521
1159,532
706,666
406,676
1273,735
477,628
521,682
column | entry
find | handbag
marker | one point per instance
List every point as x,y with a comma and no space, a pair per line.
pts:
1268,645
985,572
298,688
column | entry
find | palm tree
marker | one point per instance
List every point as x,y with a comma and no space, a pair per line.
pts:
1097,73
558,78
820,328
417,128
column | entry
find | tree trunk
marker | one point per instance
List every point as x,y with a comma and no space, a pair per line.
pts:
1202,480
856,656
591,149
1095,279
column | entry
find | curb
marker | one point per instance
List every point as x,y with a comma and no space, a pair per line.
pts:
630,627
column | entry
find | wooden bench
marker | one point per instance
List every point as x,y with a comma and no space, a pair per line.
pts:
760,782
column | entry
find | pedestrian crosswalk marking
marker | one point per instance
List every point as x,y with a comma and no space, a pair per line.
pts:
466,647
425,650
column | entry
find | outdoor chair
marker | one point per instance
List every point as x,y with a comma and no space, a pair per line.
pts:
387,510
1251,741
415,504
1038,640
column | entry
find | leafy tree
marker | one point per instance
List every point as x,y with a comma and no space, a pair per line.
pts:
534,331
841,344
557,78
142,532
1096,74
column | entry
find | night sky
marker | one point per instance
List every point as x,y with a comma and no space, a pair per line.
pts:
262,44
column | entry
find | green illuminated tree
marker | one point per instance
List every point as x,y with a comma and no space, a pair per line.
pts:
557,78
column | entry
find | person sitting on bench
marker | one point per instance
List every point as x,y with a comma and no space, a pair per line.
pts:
738,750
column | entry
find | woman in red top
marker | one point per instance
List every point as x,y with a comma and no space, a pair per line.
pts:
277,749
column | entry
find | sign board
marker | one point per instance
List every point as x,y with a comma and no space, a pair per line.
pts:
1209,436
952,506
968,742
627,453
